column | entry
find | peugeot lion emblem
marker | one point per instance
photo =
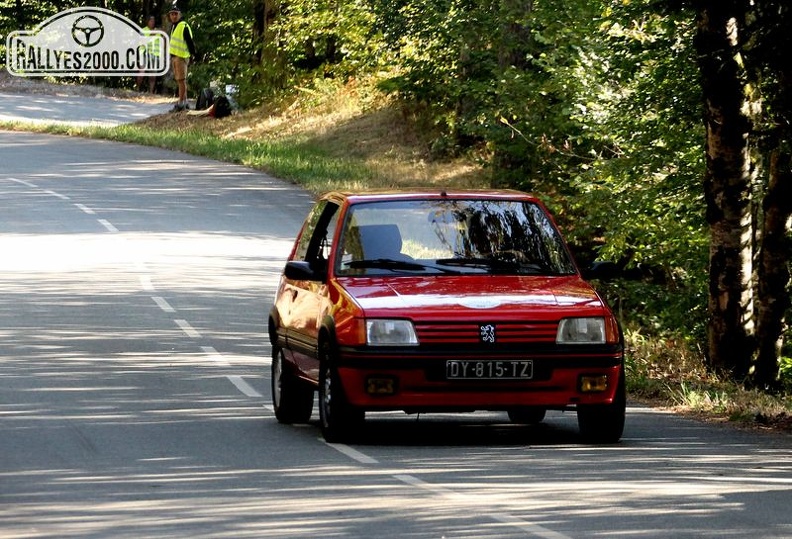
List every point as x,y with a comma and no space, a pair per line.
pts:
487,333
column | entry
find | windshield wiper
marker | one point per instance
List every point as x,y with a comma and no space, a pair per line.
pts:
497,265
390,264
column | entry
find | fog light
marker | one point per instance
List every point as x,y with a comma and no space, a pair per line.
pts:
593,384
380,385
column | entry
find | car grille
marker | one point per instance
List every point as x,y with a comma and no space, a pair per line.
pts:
471,333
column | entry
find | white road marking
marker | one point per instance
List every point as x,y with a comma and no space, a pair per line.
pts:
243,386
23,182
85,209
187,328
353,454
145,283
163,304
56,194
215,356
108,225
238,381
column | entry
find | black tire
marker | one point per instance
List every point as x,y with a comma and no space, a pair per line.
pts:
339,420
292,399
604,423
527,415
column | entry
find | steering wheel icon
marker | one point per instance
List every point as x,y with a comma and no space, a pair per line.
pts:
88,31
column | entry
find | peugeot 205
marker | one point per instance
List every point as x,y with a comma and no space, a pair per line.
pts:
441,301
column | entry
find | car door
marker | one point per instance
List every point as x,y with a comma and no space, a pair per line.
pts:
307,300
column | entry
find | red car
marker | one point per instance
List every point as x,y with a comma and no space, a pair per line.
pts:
441,301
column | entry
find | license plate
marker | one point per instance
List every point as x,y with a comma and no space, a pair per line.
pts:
489,370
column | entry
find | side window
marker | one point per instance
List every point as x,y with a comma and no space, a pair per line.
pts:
308,229
327,242
316,239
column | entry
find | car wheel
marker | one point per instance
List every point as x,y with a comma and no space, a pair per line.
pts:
292,399
604,423
337,417
527,415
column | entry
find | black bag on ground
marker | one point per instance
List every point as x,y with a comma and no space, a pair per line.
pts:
222,107
205,99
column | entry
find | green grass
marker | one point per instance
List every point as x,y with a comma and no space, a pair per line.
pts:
292,159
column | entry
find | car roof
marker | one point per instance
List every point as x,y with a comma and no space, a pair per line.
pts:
357,197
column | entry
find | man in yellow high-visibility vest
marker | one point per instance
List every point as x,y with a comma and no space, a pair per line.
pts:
181,49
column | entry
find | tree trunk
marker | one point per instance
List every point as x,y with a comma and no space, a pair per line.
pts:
259,27
19,11
513,45
516,37
769,48
266,46
773,272
264,14
727,185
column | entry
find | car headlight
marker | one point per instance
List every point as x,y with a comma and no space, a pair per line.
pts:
390,333
581,331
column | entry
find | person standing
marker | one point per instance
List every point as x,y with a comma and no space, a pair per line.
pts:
182,48
151,49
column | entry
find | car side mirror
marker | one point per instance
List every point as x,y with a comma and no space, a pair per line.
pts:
602,271
299,270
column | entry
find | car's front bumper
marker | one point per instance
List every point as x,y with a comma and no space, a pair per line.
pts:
415,380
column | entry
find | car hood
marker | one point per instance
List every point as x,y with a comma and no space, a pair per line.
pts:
456,295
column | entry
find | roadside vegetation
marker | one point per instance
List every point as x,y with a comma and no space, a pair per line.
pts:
594,105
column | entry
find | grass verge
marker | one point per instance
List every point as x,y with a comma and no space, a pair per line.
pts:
290,160
666,373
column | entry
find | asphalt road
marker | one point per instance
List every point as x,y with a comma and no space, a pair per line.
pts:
134,390
75,110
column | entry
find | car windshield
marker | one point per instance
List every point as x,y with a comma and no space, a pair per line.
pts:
414,237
